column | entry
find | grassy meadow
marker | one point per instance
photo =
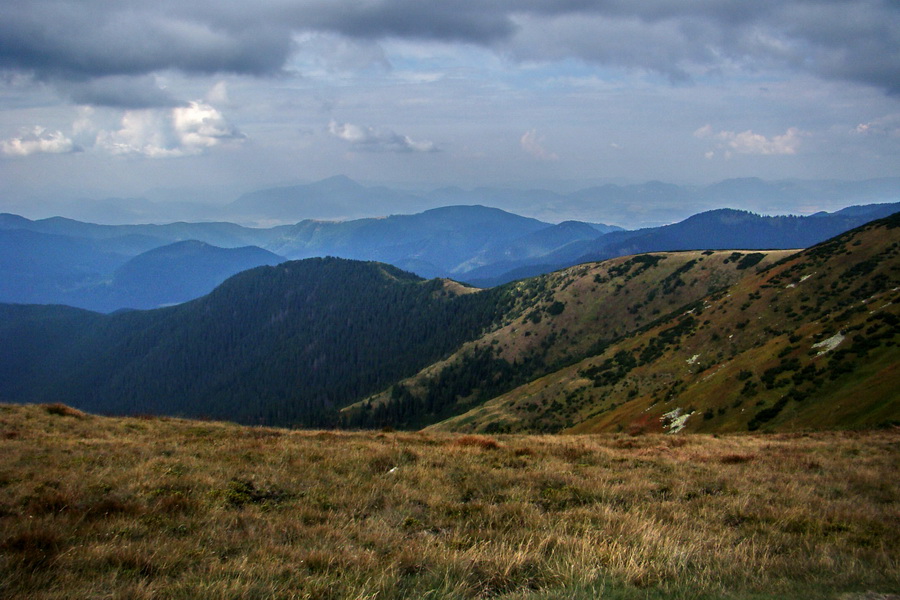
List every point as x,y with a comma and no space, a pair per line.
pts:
94,507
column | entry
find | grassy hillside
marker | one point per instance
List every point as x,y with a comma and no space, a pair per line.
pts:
808,343
94,507
556,320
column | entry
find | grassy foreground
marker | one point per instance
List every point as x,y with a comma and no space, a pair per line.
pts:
93,507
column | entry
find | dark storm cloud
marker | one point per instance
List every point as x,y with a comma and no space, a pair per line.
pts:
118,91
466,21
77,40
81,40
834,39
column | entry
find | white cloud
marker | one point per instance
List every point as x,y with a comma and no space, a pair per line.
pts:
533,145
37,140
200,126
748,142
182,131
143,132
378,140
889,126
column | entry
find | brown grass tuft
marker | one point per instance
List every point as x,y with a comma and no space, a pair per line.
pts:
35,547
478,441
736,459
62,410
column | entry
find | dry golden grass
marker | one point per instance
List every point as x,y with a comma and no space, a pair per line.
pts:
92,507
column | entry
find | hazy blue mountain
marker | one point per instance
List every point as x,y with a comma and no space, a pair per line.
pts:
46,268
434,242
431,243
337,197
783,196
10,221
726,229
146,237
503,255
174,274
633,206
655,203
42,268
64,261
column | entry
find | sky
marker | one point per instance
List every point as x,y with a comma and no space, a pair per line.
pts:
211,98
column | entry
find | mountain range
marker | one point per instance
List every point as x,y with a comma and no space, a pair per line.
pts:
699,340
111,267
631,206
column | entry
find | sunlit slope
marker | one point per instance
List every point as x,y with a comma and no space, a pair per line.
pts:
808,343
556,320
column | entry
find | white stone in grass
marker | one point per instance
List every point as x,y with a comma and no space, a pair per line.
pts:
675,420
829,344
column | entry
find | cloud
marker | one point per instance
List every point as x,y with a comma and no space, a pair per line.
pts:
38,140
533,145
337,54
377,140
747,142
200,126
849,41
182,131
118,91
218,94
885,126
83,40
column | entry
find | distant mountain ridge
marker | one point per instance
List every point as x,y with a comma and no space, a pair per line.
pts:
102,274
631,206
68,262
337,197
176,273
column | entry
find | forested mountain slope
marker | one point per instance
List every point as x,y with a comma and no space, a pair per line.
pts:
284,345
